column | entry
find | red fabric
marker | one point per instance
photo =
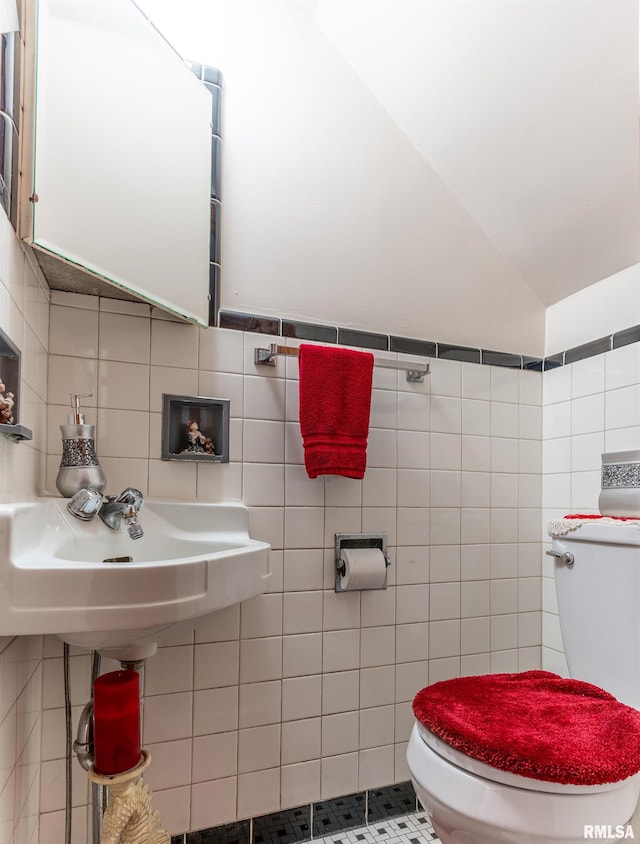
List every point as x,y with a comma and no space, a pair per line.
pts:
600,516
535,724
335,402
116,721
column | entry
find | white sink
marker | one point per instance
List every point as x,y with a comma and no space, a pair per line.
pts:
193,560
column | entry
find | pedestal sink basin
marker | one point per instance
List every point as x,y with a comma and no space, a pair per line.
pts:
65,576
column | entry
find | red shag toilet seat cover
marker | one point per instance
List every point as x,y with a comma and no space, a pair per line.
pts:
535,724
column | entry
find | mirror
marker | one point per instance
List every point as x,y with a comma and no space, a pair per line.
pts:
122,158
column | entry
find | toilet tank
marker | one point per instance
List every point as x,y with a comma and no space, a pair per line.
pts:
599,606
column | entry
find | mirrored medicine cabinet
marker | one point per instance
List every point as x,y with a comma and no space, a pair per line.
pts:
116,149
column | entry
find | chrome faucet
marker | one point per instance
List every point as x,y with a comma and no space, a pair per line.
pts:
126,506
112,510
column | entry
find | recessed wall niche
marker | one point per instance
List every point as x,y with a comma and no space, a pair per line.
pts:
195,428
10,391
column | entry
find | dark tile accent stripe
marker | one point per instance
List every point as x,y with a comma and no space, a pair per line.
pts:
554,361
390,802
211,78
409,346
627,336
231,833
214,293
249,322
426,348
214,234
502,359
532,364
212,74
309,331
338,814
588,350
290,826
216,167
462,353
364,339
285,827
216,107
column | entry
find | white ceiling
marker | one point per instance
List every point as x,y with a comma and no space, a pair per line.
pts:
526,109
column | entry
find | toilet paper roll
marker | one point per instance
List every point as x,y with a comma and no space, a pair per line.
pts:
365,568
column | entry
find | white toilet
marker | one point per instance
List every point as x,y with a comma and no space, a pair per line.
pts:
597,570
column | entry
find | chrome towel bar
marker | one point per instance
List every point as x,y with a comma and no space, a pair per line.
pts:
415,371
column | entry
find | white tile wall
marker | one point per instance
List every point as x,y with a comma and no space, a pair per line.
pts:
303,694
589,407
265,685
24,308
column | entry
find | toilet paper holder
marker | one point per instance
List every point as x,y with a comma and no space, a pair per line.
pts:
358,540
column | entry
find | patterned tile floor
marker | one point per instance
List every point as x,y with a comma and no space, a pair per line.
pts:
406,829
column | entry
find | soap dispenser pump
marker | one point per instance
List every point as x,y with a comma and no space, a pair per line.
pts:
79,467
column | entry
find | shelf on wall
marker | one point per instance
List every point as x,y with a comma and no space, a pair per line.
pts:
211,418
10,377
16,432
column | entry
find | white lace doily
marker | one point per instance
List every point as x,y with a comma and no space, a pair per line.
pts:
561,527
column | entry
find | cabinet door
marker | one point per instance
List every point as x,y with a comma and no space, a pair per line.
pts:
122,154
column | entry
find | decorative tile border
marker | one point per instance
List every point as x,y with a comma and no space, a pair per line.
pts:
307,331
595,347
588,350
391,802
624,338
241,321
312,821
212,80
339,814
427,348
284,827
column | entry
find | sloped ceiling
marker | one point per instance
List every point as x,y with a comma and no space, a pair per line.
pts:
528,111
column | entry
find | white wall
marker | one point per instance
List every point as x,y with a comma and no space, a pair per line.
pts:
24,317
604,308
453,478
330,212
590,407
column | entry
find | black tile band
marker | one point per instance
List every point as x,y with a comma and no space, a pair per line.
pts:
462,353
212,80
309,331
588,350
624,338
314,820
426,348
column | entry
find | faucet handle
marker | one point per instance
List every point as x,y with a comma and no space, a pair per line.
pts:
131,496
85,503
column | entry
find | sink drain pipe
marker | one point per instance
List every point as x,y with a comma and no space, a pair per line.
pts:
67,718
82,747
121,803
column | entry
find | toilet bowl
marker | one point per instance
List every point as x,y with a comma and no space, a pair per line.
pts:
469,802
477,792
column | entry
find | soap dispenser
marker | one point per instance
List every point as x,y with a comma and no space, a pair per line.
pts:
79,467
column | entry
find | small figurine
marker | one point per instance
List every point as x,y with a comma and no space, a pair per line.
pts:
196,440
208,445
6,406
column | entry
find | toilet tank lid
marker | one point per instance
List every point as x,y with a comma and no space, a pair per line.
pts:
582,526
536,724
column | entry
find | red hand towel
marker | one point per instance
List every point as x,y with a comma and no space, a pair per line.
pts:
335,402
